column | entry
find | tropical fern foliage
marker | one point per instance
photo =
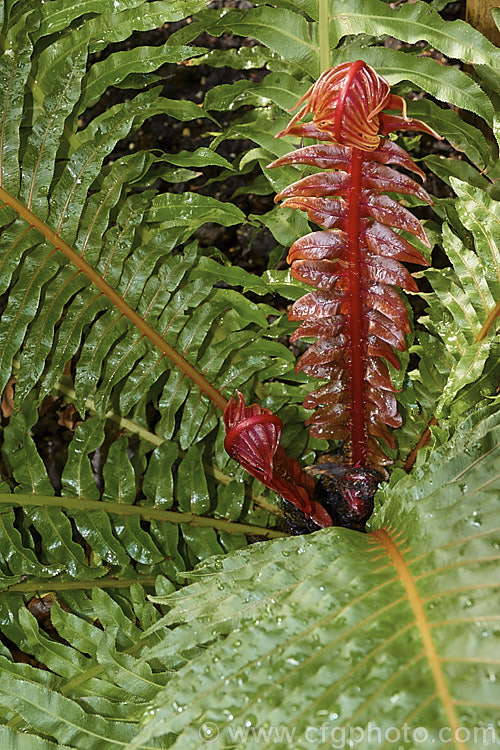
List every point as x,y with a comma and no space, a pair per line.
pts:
111,303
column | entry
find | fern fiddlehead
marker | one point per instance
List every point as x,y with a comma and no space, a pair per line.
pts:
252,438
355,314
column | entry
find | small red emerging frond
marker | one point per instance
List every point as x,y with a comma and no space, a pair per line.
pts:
252,439
356,316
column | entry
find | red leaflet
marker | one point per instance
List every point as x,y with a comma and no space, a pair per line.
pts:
390,123
324,183
252,439
384,241
387,211
390,153
380,177
325,157
357,317
319,245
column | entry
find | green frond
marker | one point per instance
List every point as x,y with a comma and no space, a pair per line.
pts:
271,624
458,351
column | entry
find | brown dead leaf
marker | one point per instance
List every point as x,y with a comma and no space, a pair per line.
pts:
7,404
69,417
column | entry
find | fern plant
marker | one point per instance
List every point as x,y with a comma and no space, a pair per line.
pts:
111,303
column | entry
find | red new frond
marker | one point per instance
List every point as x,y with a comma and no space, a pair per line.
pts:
355,314
252,439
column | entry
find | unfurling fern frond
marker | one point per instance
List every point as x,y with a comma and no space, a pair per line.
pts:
252,438
356,315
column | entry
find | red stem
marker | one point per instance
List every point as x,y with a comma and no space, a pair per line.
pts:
356,333
339,112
